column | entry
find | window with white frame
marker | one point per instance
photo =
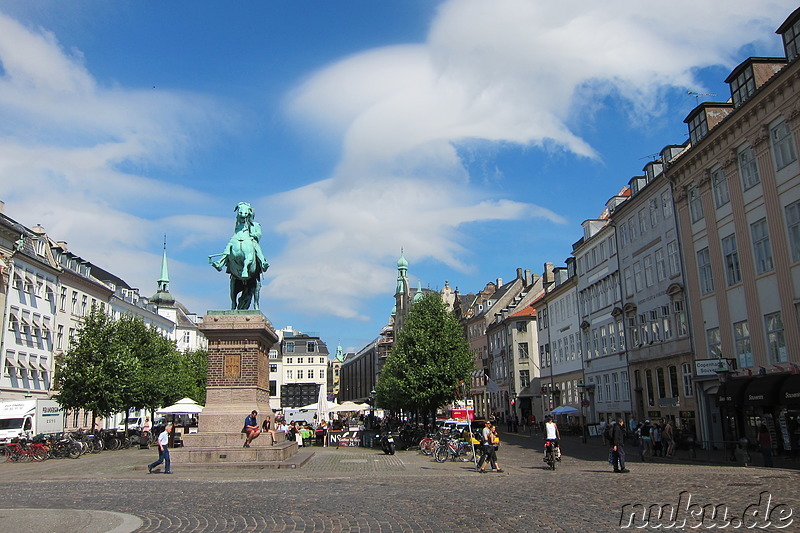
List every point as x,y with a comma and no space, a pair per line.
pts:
290,374
300,373
299,360
695,204
704,271
655,326
522,350
748,167
615,382
674,388
666,322
644,225
621,335
743,86
607,385
762,249
644,328
627,277
686,374
666,204
655,212
793,227
288,347
741,340
791,40
612,337
310,373
730,255
674,258
632,229
651,395
661,265
633,329
623,235
649,278
714,343
603,341
776,343
719,184
782,145
311,346
638,282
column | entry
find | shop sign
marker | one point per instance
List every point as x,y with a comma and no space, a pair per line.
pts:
686,414
654,414
710,367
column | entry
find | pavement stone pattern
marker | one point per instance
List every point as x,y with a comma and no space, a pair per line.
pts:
363,490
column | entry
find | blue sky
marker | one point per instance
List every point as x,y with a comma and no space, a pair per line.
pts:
476,135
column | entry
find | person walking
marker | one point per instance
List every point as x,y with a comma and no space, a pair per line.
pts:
617,447
163,451
668,439
765,443
489,453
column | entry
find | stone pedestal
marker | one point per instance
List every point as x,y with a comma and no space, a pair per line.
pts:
238,382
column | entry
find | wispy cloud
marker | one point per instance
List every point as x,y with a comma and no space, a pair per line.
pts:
74,151
507,71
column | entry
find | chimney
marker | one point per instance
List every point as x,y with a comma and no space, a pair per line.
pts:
528,280
499,282
62,245
548,273
519,273
38,229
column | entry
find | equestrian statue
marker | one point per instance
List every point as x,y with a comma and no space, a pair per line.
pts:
243,259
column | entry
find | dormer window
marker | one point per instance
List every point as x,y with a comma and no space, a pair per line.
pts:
698,127
790,31
743,86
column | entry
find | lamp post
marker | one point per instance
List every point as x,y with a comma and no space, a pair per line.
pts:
372,394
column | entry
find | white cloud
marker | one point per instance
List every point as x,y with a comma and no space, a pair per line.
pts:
489,73
507,71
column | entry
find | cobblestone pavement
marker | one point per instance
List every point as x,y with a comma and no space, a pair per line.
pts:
362,490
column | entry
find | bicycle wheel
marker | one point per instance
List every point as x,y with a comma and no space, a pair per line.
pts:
441,454
426,446
10,453
74,450
39,453
112,444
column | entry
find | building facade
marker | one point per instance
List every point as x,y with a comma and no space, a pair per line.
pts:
737,194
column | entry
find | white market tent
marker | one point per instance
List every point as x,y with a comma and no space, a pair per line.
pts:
186,406
349,407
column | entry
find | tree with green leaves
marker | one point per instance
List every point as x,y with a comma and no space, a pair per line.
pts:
429,359
94,374
119,365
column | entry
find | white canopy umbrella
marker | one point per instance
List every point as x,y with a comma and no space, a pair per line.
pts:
315,406
186,406
322,403
350,407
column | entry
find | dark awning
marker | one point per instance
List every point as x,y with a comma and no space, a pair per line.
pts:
529,391
730,393
790,391
764,390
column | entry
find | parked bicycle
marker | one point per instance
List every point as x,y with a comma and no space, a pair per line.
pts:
454,449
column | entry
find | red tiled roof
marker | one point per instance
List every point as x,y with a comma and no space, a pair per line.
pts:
528,310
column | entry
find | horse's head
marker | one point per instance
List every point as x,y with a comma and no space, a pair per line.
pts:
244,212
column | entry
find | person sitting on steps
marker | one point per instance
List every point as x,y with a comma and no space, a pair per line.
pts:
251,428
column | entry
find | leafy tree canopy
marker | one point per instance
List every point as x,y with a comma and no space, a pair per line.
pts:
429,358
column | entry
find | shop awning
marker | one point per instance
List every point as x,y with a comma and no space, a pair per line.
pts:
764,390
730,393
790,391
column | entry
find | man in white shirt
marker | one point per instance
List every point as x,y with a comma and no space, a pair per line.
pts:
163,451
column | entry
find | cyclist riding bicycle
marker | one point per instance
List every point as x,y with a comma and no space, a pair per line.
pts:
552,435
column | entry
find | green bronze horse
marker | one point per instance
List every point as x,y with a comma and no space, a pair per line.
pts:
243,259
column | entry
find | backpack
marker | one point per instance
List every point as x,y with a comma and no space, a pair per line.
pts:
609,433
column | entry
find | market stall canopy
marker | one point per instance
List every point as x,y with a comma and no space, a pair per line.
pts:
563,410
327,406
349,407
186,406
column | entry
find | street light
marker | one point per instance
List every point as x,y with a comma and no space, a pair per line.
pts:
581,392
